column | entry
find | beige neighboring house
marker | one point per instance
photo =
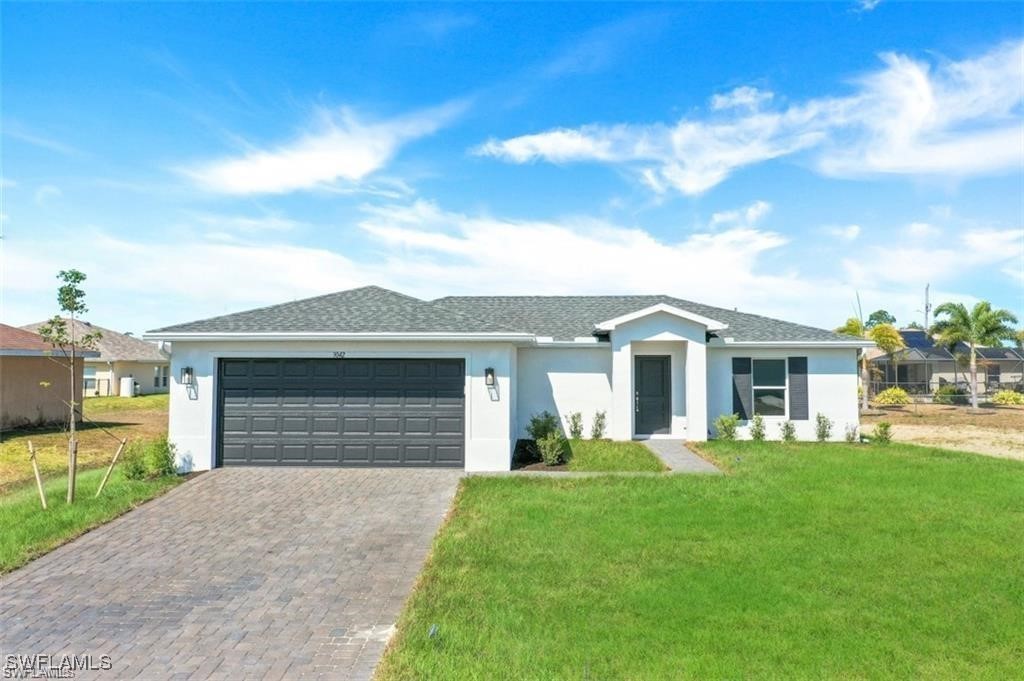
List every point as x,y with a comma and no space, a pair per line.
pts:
33,387
120,355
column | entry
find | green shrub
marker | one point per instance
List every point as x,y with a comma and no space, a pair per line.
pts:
882,433
787,431
725,426
822,427
576,425
553,448
597,427
757,428
148,459
1008,397
950,394
543,424
892,396
851,433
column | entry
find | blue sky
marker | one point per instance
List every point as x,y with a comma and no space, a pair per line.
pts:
195,160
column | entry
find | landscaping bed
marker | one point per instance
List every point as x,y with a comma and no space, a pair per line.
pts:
805,561
991,430
593,456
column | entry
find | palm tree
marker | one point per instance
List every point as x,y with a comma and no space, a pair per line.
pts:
885,336
981,326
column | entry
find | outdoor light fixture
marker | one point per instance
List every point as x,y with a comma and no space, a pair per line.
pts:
489,377
188,377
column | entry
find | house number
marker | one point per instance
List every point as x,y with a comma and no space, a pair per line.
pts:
339,354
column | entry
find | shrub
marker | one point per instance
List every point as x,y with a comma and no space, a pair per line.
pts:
892,396
597,427
950,394
576,425
543,424
882,433
153,459
787,431
851,433
757,428
725,426
1008,397
822,427
553,448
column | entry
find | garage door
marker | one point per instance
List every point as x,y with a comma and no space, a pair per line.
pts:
341,412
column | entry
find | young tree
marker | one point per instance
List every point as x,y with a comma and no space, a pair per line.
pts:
880,317
981,326
888,339
63,336
885,336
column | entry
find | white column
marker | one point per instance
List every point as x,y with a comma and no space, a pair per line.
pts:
696,391
621,418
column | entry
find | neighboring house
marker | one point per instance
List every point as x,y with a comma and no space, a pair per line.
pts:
120,356
923,366
370,377
34,388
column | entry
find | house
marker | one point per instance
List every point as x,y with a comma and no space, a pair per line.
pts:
923,366
371,377
120,356
33,386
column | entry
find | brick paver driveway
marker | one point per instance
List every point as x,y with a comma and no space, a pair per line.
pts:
245,573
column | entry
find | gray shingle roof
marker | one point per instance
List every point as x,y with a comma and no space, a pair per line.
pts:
370,309
567,317
114,346
376,310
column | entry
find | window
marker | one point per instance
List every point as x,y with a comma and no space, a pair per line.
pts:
769,384
156,377
163,378
89,379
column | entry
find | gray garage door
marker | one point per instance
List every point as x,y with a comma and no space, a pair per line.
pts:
341,412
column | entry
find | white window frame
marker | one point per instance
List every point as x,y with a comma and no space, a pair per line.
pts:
754,387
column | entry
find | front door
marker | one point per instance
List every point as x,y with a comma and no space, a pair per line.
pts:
652,375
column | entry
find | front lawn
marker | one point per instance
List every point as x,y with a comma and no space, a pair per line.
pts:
805,561
27,531
110,418
608,455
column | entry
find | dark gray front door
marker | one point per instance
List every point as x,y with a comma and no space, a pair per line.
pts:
653,394
341,412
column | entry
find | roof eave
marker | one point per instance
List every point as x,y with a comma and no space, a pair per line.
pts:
853,343
212,336
707,322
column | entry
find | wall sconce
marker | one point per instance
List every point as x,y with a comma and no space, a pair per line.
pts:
489,377
188,376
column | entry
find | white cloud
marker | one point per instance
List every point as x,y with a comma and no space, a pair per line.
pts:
922,230
845,233
341,147
272,222
46,192
426,251
868,5
742,97
950,119
749,216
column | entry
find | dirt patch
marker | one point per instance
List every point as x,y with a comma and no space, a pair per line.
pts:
97,442
541,466
992,431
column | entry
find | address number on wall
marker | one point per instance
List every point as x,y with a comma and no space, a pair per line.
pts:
339,354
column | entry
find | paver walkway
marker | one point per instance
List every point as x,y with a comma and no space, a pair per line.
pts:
679,458
242,573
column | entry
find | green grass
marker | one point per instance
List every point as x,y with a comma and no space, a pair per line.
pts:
27,531
805,561
102,405
607,455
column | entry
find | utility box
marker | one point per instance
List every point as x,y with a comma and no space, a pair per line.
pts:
127,386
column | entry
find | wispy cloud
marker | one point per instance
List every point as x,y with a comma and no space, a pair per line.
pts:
845,232
749,216
598,48
867,5
339,147
45,193
949,119
15,130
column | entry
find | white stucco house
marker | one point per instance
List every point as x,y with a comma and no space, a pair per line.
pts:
371,377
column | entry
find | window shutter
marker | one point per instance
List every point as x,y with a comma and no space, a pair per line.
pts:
741,388
799,409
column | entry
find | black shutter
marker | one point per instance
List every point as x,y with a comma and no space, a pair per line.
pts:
799,409
741,388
